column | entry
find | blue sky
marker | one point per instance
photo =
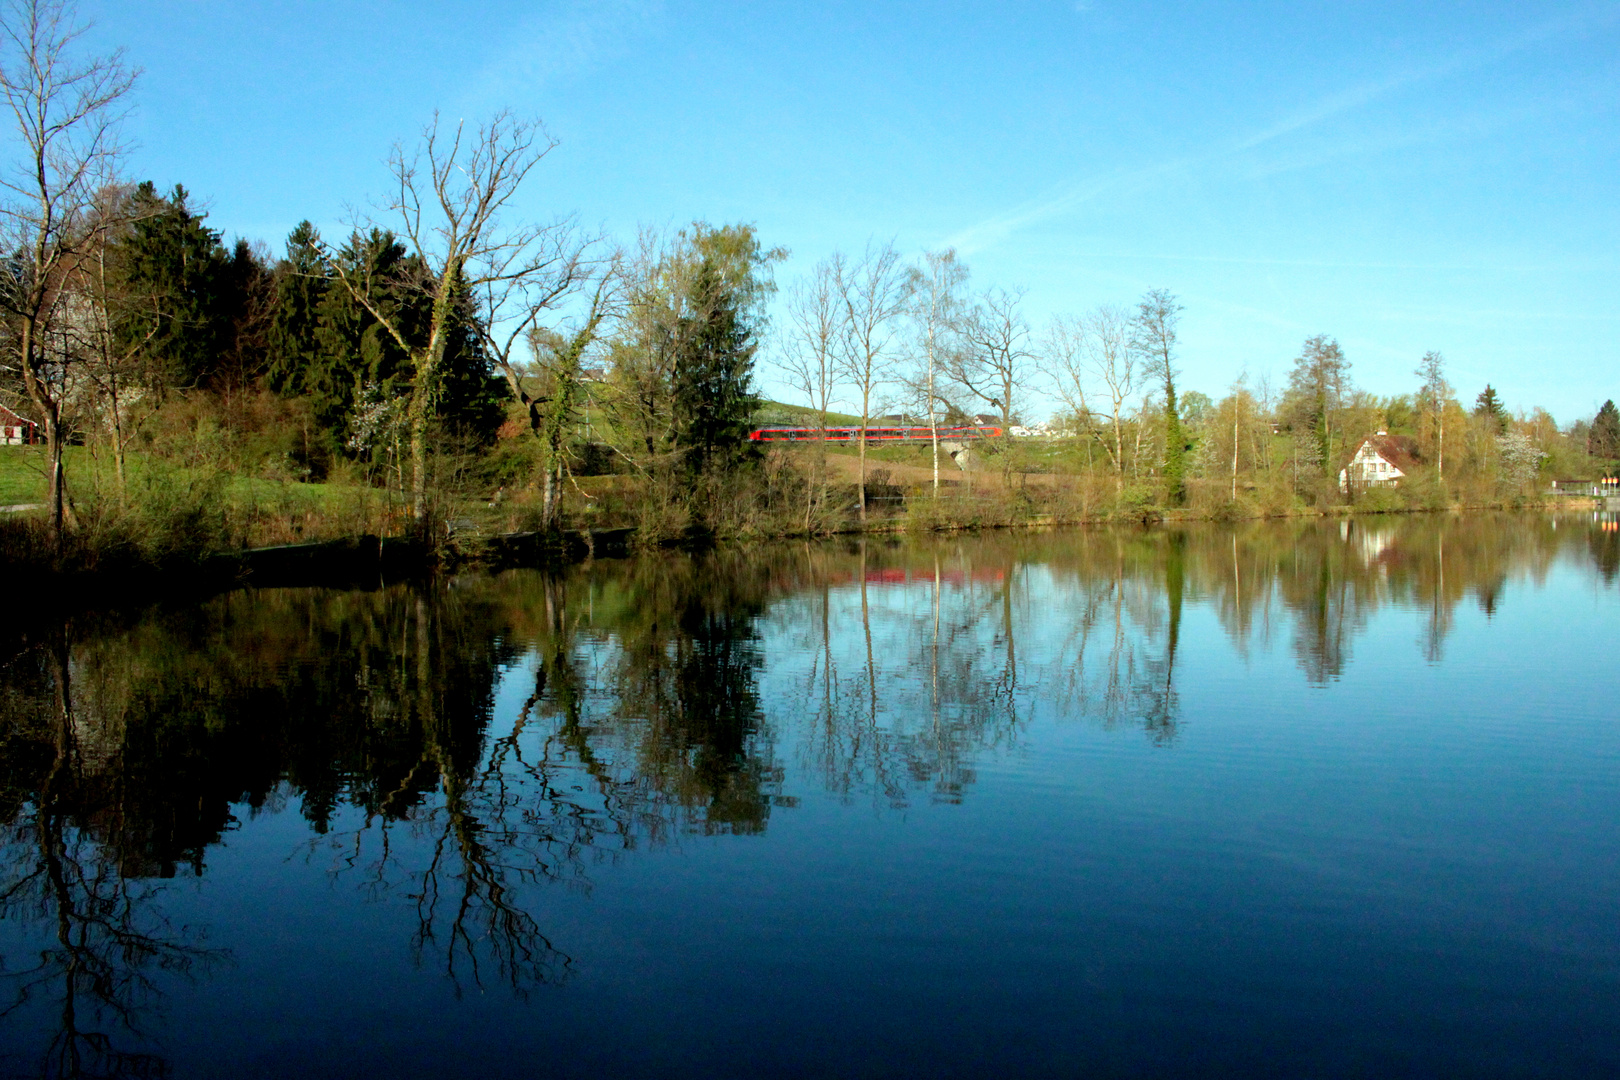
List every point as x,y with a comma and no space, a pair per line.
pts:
1402,176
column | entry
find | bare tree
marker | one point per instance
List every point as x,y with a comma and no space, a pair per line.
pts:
994,366
1095,345
815,345
115,365
451,196
67,114
1433,397
874,293
1062,360
936,312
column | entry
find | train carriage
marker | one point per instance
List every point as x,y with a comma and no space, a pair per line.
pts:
889,433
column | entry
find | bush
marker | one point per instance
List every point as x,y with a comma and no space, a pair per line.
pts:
1380,500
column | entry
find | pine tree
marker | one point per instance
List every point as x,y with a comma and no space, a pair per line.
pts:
1488,404
354,357
247,308
174,270
472,399
336,352
301,283
712,375
1603,441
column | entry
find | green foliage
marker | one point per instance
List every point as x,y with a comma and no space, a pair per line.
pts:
1489,405
173,273
1315,398
1380,500
1138,502
1603,439
1400,416
356,362
1153,337
302,281
471,399
328,345
714,343
1195,408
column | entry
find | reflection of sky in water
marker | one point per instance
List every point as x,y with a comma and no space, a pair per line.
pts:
1406,865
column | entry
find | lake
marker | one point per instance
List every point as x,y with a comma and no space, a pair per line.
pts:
1277,799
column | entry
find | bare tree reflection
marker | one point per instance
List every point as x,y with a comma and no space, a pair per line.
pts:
105,935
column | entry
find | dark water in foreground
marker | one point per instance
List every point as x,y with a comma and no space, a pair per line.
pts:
1281,800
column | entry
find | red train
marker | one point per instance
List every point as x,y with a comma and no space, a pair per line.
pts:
873,434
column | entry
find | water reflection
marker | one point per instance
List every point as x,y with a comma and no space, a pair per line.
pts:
101,942
455,747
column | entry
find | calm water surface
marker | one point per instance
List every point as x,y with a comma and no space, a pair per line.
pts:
1284,800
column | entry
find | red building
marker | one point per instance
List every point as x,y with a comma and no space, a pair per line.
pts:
16,430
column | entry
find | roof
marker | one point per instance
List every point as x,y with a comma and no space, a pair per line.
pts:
1400,451
11,419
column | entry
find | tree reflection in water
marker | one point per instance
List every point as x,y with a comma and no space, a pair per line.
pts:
660,697
101,938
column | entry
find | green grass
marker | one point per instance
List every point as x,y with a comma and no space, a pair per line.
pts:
780,412
22,481
22,475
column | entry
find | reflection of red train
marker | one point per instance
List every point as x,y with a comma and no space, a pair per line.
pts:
897,576
873,434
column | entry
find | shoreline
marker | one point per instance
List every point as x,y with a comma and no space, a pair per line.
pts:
368,561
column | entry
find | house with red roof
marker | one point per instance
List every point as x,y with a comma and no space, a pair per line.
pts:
1380,461
16,430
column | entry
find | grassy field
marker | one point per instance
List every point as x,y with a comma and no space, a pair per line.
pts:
260,510
779,412
22,474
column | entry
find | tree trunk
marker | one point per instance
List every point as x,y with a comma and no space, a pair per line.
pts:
424,387
418,416
548,500
933,423
860,484
50,409
1119,453
1234,447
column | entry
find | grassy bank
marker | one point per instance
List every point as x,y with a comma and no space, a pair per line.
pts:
168,518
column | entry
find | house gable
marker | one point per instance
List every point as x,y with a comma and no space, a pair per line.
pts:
15,429
1381,459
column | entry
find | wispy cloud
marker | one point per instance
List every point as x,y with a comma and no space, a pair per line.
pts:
1053,203
1328,108
1086,189
1603,265
563,40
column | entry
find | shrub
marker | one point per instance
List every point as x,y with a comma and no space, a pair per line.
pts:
1380,500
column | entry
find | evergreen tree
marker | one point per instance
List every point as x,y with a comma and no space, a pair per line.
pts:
354,357
711,383
1603,440
301,283
247,306
337,353
1488,404
471,401
173,269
